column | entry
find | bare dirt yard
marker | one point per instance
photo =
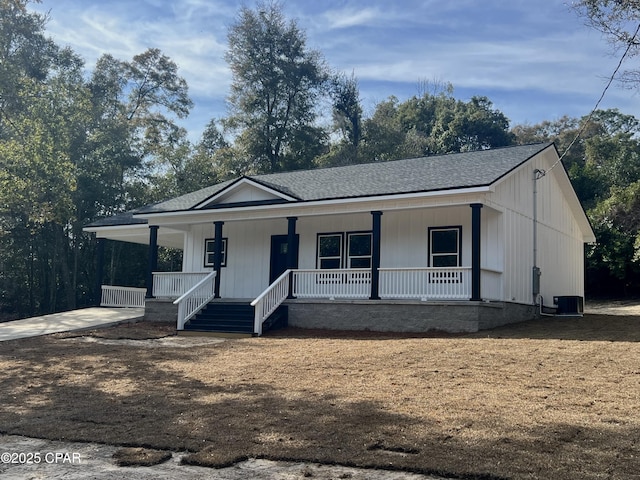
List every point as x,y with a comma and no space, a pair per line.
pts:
546,399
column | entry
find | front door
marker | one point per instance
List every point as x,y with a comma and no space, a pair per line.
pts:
279,251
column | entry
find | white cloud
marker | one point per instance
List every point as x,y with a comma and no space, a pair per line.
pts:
194,35
349,17
541,51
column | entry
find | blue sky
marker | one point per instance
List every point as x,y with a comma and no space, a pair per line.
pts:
536,60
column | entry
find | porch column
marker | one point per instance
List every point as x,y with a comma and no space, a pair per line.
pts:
99,270
153,258
475,251
292,260
217,256
375,255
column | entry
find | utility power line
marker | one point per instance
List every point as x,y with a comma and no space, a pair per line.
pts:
593,111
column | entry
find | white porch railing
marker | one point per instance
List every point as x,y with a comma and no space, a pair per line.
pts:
269,300
192,301
426,283
338,283
113,296
174,284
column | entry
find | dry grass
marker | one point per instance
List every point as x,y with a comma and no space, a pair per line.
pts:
546,399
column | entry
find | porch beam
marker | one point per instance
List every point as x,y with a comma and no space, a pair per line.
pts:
153,258
292,254
217,256
375,254
476,209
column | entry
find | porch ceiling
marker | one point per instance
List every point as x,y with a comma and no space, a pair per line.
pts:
139,233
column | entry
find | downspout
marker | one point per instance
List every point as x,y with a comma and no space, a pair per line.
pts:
536,273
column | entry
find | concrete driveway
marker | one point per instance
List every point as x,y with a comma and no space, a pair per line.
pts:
82,319
56,460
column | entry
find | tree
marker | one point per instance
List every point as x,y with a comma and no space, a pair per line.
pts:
276,83
383,134
70,150
25,53
618,21
36,170
38,182
205,167
613,264
347,121
132,129
433,124
476,125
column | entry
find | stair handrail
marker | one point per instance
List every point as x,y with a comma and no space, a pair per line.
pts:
268,301
194,299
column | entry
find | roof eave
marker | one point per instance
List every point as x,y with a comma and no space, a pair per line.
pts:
314,204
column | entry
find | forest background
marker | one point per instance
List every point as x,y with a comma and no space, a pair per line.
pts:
79,145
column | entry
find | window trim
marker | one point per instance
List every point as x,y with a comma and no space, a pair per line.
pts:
341,254
348,256
225,251
430,255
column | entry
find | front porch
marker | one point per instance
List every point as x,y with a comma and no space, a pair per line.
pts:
409,299
408,261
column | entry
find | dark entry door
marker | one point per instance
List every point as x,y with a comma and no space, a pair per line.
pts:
279,251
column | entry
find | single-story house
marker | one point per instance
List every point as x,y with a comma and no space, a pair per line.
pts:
456,242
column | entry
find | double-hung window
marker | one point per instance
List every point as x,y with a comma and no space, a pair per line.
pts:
209,252
445,247
330,250
333,253
445,250
359,250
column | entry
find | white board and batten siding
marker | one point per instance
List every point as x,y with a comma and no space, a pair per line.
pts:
404,243
248,254
249,248
560,240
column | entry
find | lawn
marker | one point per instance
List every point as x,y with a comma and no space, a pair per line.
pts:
554,398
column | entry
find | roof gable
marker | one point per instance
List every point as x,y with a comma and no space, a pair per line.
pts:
244,192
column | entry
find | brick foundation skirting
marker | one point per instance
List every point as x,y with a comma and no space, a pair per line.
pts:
405,316
160,310
382,315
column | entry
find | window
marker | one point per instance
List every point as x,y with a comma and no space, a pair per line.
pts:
445,247
359,250
332,253
209,252
329,250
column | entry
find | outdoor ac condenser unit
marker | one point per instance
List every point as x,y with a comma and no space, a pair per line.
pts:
569,305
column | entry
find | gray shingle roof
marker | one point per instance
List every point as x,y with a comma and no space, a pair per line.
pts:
424,174
124,218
